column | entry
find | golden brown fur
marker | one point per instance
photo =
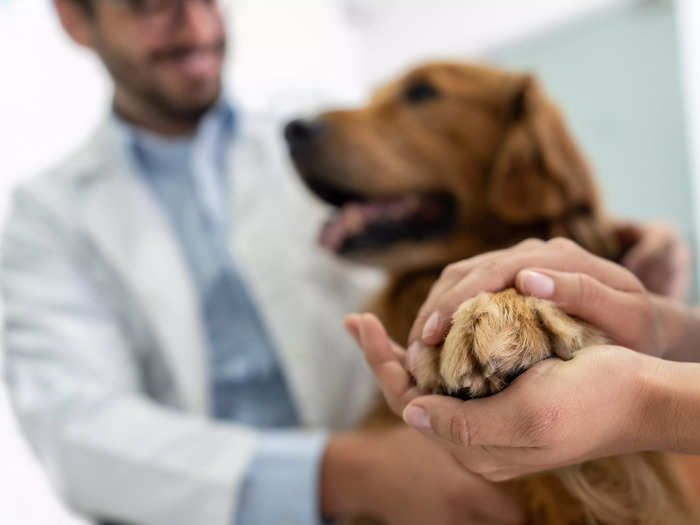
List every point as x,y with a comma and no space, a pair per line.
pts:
499,147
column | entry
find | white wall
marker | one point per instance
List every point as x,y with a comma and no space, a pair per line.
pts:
394,33
51,92
289,53
689,30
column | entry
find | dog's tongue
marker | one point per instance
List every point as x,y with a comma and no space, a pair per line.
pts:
355,217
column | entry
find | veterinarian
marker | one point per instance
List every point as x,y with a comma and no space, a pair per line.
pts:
173,341
609,400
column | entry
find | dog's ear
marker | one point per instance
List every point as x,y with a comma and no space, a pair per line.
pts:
538,173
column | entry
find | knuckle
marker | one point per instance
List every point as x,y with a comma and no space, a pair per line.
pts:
585,289
490,272
451,271
529,243
458,431
646,333
563,244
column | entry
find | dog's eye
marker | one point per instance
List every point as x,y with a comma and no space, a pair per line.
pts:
420,92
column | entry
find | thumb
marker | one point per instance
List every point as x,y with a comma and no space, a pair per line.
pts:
580,295
462,423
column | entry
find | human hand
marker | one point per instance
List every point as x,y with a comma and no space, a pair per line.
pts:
596,290
658,256
401,477
535,423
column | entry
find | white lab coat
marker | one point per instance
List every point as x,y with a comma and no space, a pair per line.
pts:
105,349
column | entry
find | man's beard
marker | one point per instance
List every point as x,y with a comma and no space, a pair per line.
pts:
175,111
130,78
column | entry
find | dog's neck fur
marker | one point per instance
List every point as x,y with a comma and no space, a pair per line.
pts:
580,224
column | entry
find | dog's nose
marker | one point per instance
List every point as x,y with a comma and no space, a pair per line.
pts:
298,131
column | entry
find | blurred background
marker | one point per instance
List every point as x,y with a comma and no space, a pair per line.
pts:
626,73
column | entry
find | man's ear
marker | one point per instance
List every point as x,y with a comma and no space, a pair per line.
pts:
76,21
538,173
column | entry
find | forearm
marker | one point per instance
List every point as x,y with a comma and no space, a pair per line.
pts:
671,418
346,479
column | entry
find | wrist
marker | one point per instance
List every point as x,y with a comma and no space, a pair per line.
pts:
671,407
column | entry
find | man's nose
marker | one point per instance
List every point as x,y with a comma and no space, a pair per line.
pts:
201,20
300,131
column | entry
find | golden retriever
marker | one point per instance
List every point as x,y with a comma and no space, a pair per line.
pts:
449,161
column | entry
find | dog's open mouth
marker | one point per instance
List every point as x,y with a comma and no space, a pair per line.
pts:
362,223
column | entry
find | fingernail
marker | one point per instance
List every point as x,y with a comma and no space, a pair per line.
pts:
417,418
537,284
412,355
431,326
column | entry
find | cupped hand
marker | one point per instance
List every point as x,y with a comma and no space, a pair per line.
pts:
557,413
418,482
594,289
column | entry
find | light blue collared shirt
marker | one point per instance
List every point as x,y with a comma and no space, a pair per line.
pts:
189,179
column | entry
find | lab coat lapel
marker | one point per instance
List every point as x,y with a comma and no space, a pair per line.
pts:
266,244
134,235
301,292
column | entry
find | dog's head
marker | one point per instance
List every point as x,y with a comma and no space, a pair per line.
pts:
453,159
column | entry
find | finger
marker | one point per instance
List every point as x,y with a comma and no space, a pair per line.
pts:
352,326
621,315
628,234
451,276
495,275
485,279
470,424
679,274
661,259
653,244
383,356
671,275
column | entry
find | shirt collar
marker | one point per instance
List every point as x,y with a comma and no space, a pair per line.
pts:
154,152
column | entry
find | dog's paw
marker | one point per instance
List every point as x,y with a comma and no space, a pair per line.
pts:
496,337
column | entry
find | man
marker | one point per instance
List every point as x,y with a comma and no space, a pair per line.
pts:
174,345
